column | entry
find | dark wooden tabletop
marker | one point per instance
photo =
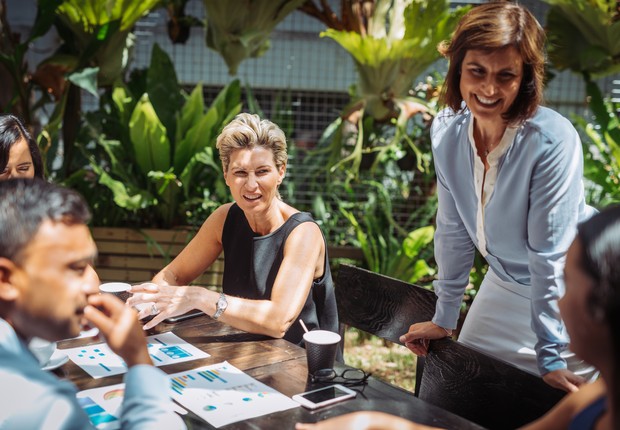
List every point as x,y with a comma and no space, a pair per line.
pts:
282,366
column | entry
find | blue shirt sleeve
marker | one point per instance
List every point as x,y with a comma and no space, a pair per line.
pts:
147,403
454,253
556,195
454,250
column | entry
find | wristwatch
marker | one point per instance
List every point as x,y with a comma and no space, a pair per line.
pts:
221,306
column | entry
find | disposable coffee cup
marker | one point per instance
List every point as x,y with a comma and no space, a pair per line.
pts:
42,349
321,347
119,289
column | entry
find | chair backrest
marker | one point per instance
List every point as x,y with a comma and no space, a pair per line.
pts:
453,376
380,305
483,389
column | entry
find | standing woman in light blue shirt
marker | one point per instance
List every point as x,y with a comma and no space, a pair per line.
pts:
509,183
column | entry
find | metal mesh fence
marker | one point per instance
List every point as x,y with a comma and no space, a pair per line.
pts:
308,77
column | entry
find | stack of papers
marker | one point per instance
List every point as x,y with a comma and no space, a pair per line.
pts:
220,394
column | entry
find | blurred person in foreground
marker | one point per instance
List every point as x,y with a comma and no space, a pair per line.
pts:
20,158
276,267
45,291
590,308
509,184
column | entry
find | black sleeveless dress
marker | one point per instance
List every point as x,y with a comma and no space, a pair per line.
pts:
251,263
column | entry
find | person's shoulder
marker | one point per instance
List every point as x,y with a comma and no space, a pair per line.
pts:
217,219
447,117
550,127
447,120
222,211
583,398
303,223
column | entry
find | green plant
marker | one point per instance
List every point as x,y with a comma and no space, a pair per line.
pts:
584,36
388,248
95,46
601,144
158,145
394,44
240,29
398,45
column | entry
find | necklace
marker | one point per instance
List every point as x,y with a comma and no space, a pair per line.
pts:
484,152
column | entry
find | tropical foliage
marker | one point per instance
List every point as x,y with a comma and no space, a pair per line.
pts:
398,43
95,47
601,141
240,29
157,145
584,36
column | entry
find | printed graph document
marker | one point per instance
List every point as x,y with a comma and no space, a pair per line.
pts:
222,394
99,361
103,406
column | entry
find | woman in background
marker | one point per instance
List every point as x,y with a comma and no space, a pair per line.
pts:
19,153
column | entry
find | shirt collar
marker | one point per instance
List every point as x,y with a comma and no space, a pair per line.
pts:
499,150
10,341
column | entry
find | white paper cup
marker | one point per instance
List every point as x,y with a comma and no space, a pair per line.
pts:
321,347
42,349
119,289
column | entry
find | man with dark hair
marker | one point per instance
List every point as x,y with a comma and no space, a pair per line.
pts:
46,291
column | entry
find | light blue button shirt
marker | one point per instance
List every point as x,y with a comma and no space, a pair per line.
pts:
31,398
522,222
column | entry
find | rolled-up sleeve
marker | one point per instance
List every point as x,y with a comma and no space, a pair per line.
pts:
556,193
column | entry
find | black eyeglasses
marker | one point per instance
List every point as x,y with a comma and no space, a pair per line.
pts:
348,377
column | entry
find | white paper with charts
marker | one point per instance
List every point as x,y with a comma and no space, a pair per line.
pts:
99,361
222,394
104,406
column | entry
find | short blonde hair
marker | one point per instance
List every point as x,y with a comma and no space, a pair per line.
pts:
247,131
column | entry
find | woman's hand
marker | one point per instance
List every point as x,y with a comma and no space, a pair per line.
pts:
366,420
163,301
419,334
564,379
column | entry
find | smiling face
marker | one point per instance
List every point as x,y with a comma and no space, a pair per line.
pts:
490,82
253,178
20,163
52,280
589,339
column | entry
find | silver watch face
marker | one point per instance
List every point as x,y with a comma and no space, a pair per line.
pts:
222,304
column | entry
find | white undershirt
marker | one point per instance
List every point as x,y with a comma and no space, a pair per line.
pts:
487,179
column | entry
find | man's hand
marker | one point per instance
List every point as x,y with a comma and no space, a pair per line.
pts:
120,326
564,379
418,337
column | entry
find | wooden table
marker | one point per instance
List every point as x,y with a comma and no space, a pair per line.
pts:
282,366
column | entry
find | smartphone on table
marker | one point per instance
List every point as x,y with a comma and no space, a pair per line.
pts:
185,316
324,396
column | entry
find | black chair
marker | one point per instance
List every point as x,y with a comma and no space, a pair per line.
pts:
381,305
455,377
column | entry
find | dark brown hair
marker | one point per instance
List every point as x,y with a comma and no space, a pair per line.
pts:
600,247
490,27
11,131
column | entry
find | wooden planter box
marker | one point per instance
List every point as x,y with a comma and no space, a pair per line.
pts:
134,256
